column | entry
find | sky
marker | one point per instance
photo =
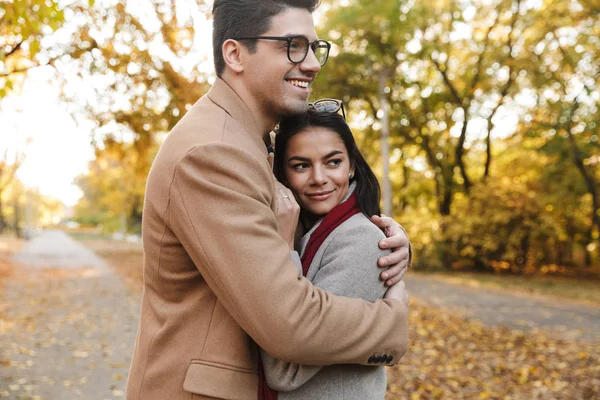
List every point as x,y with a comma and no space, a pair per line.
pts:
58,149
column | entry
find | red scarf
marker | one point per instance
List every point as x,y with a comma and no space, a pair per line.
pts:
332,220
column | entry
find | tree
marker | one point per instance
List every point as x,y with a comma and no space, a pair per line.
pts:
566,79
476,190
114,188
23,25
8,170
457,69
441,83
147,58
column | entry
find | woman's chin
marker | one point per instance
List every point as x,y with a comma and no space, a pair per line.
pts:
318,211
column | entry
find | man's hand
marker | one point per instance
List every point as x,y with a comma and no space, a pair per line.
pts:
397,240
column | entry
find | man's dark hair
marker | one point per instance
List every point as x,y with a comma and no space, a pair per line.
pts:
367,189
247,18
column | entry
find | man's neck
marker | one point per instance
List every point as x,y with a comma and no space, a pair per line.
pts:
263,121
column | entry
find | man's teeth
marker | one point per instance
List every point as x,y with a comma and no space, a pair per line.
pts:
301,84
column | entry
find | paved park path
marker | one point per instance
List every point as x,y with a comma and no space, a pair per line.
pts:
565,319
68,323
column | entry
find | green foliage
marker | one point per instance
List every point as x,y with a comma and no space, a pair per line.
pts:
140,64
23,25
503,225
114,188
472,190
145,91
460,65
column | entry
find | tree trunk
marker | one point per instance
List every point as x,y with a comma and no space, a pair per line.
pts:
488,150
385,149
588,178
17,219
446,191
406,175
460,151
446,201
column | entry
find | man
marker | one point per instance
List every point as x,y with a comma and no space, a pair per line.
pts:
217,274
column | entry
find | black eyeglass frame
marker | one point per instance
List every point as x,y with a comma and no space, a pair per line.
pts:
339,103
288,39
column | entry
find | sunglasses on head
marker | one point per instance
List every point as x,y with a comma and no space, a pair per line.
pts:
328,105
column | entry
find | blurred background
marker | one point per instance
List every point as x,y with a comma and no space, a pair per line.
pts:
486,113
480,117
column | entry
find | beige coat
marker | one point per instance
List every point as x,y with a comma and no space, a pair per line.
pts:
217,275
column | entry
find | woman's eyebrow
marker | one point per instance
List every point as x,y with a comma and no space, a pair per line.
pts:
298,158
325,157
333,153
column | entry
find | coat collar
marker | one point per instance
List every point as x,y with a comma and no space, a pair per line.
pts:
225,97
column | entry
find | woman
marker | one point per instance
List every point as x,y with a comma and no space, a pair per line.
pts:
316,157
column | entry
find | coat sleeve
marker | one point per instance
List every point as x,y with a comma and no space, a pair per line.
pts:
348,268
219,209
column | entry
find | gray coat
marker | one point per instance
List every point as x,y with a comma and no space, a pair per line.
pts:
345,265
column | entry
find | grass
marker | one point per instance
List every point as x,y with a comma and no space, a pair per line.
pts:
583,290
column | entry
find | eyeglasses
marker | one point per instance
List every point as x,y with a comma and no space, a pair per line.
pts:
328,105
297,47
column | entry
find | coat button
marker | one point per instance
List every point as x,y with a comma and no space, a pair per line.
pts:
389,359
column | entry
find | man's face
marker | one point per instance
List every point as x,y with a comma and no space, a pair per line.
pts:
279,86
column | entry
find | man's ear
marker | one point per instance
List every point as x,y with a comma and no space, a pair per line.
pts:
233,54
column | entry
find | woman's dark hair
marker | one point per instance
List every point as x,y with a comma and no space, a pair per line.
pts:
247,18
367,187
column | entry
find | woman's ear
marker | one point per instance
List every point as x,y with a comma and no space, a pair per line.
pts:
233,55
351,174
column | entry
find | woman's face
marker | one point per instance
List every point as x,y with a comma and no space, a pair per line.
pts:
317,168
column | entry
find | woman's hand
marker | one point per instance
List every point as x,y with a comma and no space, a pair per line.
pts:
398,292
287,214
397,240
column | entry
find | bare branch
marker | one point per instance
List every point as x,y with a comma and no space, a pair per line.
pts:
578,161
420,128
503,93
23,70
371,105
478,68
14,49
570,61
460,150
447,81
